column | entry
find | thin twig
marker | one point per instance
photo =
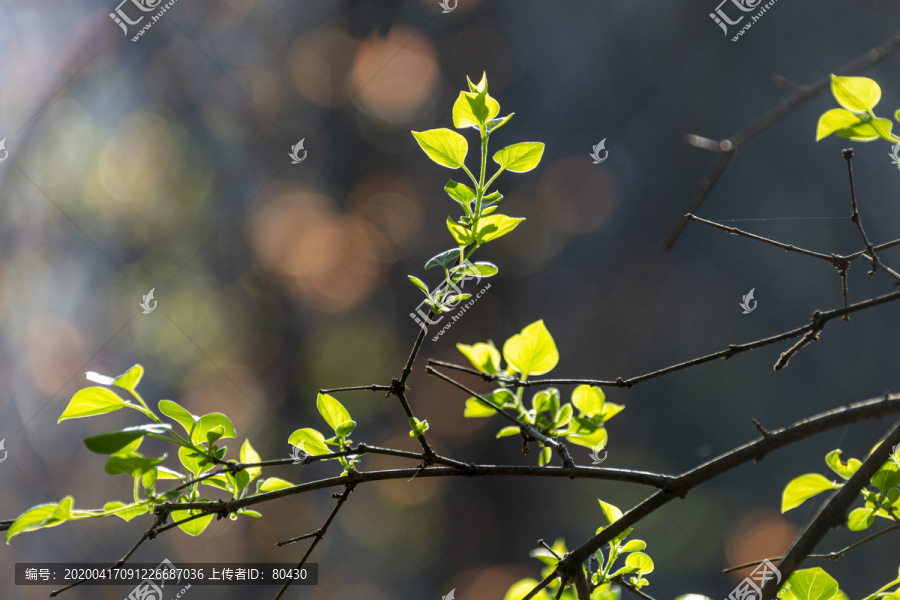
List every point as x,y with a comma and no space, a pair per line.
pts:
728,147
373,387
319,533
834,555
833,512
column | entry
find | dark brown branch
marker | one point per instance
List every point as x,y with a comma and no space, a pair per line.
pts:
854,216
834,555
728,147
319,533
833,512
756,450
373,388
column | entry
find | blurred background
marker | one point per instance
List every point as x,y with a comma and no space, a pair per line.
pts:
163,164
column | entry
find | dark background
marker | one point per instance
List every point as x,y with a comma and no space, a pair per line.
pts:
163,164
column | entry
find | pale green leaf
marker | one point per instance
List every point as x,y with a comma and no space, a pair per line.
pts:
444,146
521,157
531,351
92,401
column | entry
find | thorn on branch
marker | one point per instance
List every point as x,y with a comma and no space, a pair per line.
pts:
761,429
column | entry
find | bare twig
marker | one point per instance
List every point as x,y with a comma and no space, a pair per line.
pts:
834,555
728,147
833,512
319,533
373,388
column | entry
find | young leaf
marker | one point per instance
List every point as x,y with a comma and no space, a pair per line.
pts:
471,109
861,518
130,378
420,284
178,413
332,411
249,455
207,422
833,460
640,562
866,131
495,226
444,259
859,94
482,85
273,484
521,157
478,269
131,464
589,400
522,588
531,351
313,441
508,431
499,122
126,511
114,441
41,516
444,146
484,357
802,488
612,513
195,526
584,433
91,401
833,120
812,584
460,192
491,198
545,456
475,408
460,233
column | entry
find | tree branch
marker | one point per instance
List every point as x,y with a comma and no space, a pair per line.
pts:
833,512
840,417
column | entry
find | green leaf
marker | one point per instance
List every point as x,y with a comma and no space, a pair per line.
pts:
477,269
508,431
130,378
564,416
444,146
133,464
167,473
178,413
114,441
484,357
41,516
495,226
196,526
417,427
498,122
460,233
332,411
191,461
634,546
811,584
491,198
444,259
126,511
545,456
92,401
866,131
471,109
610,410
887,477
546,400
802,488
220,482
249,513
420,284
859,94
482,85
833,460
589,400
522,588
475,408
531,351
310,441
273,484
861,518
612,513
345,429
460,192
640,562
833,120
207,422
521,157
249,455
584,433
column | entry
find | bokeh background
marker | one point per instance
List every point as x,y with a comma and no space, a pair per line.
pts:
164,164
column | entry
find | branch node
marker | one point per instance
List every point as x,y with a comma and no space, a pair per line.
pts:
761,429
